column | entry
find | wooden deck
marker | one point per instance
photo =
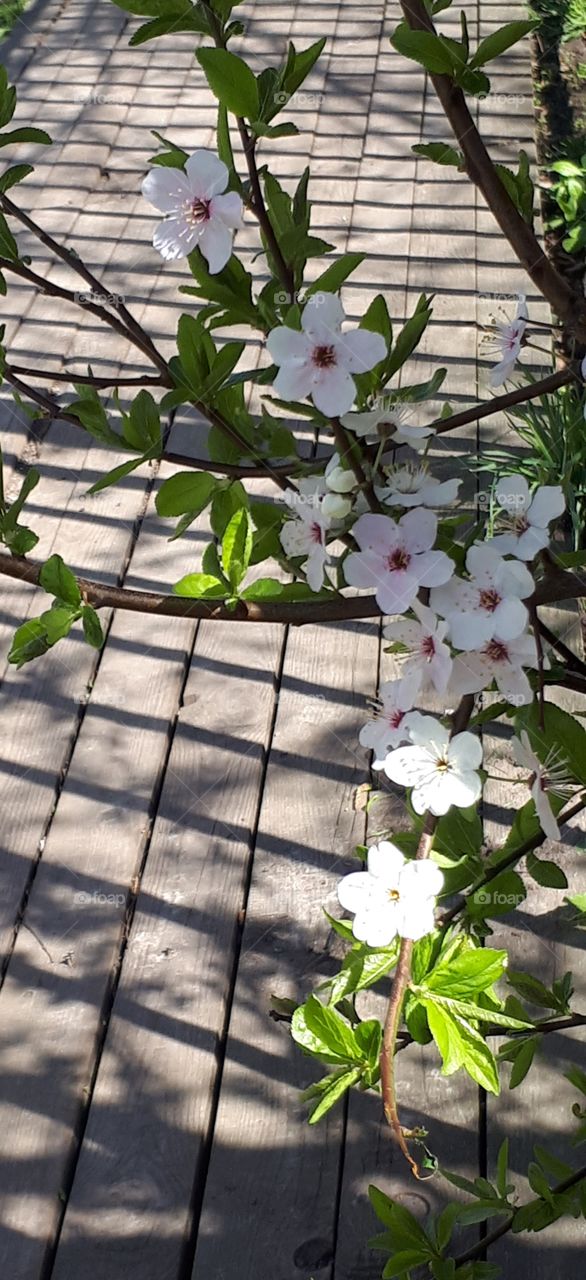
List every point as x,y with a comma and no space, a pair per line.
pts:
177,809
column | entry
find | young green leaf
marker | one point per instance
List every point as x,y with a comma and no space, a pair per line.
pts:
59,581
232,82
237,546
186,491
499,41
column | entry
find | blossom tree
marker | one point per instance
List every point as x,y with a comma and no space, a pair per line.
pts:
365,531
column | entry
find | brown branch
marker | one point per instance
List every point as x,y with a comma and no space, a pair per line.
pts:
480,169
477,1249
132,328
498,404
52,290
292,613
88,379
53,409
533,842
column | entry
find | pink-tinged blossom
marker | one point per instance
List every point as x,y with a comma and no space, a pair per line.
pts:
392,898
488,605
529,516
501,662
305,535
428,661
441,770
197,214
392,423
319,360
411,485
548,778
506,342
396,558
389,726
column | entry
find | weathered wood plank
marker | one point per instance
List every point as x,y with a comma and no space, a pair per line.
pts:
271,1189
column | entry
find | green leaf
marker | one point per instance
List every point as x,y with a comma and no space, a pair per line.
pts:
263,589
7,98
545,873
29,483
199,586
237,546
423,47
232,82
58,621
472,971
523,1060
25,135
118,473
460,1045
15,174
59,581
299,65
333,1087
334,276
324,1034
227,501
30,641
186,491
409,337
8,245
92,627
440,153
225,361
561,730
499,41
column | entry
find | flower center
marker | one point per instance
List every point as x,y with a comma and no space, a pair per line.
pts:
393,895
324,357
428,647
489,599
395,718
497,651
317,533
398,559
442,765
197,211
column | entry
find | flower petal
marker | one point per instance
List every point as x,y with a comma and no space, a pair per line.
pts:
174,239
359,350
166,189
228,209
465,752
322,317
355,891
548,503
512,493
288,346
216,244
334,391
293,381
386,863
207,174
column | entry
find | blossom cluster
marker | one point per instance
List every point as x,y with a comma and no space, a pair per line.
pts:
459,631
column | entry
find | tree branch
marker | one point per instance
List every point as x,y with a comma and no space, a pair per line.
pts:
498,404
477,1249
565,302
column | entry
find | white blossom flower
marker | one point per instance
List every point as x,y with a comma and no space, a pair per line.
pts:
501,662
529,516
319,361
197,214
388,422
441,770
393,898
488,605
305,535
428,660
551,776
389,726
411,485
506,342
396,558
